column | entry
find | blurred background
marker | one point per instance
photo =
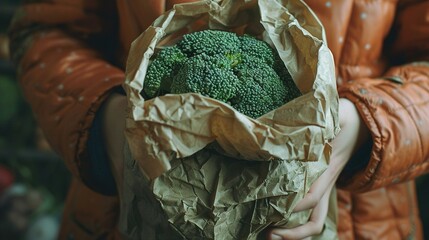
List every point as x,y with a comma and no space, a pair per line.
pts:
33,179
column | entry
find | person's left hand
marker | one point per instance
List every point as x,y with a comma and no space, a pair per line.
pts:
352,135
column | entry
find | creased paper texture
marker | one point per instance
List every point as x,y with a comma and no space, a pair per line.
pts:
217,173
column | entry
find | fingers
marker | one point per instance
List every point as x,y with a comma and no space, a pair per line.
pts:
313,227
353,133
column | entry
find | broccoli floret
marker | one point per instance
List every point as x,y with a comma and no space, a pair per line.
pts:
210,42
239,70
160,71
288,83
209,76
253,47
259,84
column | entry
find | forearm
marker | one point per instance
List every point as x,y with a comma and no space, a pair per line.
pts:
113,115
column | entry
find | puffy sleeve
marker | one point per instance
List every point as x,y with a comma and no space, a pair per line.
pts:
64,54
395,107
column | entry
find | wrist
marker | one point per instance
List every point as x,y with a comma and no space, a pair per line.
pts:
353,135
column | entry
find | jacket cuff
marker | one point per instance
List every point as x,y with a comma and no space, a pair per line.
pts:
396,111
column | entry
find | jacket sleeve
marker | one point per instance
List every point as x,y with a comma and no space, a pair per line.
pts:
57,48
395,107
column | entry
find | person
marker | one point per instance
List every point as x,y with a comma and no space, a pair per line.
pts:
71,55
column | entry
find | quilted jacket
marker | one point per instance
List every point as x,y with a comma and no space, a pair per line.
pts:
70,54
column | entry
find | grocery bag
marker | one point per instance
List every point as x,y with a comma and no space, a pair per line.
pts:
210,172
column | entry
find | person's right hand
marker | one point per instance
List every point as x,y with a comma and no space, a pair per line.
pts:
353,134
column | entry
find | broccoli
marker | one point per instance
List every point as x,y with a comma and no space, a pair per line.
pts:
210,42
286,79
160,71
260,90
257,48
209,76
239,70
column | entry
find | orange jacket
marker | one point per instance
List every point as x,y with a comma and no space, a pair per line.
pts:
70,55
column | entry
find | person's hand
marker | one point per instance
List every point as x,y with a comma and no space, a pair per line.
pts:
352,135
134,192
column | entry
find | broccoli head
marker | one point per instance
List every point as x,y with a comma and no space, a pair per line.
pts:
239,70
256,48
286,79
260,89
210,76
210,42
161,70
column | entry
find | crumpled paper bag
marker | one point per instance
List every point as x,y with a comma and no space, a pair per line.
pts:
216,173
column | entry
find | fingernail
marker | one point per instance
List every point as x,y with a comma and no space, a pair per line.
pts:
275,237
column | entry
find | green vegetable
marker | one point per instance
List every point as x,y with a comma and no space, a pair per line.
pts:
210,42
239,70
260,90
256,48
163,67
210,76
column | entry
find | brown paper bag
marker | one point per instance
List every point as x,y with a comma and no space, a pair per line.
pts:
216,173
